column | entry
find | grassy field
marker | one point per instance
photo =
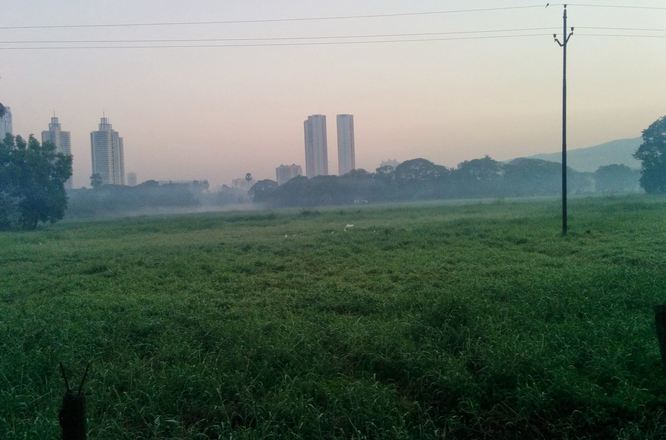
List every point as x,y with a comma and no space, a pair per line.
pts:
435,321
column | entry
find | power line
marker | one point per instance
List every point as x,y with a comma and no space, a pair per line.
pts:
607,28
588,5
274,20
313,37
331,37
171,46
623,35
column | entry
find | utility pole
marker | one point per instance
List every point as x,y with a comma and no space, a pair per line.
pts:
566,35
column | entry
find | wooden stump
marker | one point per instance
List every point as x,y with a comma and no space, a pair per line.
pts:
73,412
73,416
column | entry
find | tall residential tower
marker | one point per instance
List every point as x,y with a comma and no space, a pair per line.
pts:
316,146
346,152
61,140
107,154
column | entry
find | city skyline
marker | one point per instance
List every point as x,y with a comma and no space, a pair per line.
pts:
107,152
217,111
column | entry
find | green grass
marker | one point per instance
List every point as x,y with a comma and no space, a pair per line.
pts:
434,321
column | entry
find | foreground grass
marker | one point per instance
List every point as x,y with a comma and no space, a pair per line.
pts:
474,321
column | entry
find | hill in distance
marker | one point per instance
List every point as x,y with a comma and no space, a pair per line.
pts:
591,158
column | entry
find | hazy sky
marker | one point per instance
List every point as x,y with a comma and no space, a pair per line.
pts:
217,113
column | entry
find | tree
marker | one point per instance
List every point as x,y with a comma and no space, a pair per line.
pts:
261,190
418,170
478,178
32,178
617,179
96,180
652,154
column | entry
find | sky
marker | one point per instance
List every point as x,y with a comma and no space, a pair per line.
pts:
217,113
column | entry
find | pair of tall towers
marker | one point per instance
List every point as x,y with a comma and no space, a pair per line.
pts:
316,145
106,149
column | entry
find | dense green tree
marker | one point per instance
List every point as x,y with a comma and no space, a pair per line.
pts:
32,177
418,170
652,154
478,178
532,177
262,189
480,170
617,179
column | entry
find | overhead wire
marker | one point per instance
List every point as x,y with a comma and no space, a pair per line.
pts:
273,20
311,43
610,28
157,43
611,6
311,37
622,35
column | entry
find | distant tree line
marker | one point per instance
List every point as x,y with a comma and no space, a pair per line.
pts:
420,179
107,200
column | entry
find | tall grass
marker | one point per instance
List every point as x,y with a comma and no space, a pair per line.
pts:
436,321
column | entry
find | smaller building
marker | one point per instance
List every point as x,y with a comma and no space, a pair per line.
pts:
131,179
284,173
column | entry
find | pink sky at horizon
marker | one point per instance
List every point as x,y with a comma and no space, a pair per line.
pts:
217,113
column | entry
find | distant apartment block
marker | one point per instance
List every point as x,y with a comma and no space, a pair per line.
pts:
61,140
107,154
284,173
346,149
6,124
316,146
131,179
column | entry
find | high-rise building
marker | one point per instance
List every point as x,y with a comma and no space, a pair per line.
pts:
284,173
5,123
107,154
346,152
61,140
316,146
